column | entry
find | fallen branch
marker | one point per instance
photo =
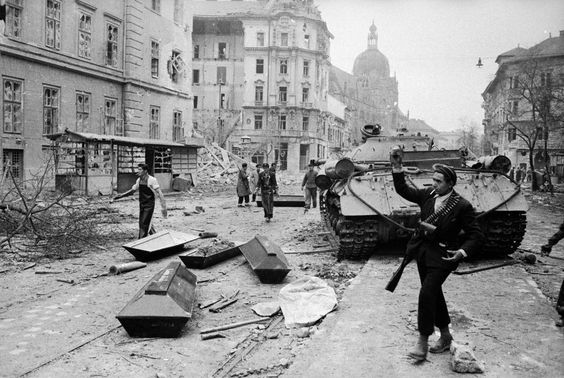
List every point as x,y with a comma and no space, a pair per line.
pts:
221,305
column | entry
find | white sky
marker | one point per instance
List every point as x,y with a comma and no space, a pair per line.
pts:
433,46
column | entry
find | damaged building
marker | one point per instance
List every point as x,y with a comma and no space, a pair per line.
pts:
105,85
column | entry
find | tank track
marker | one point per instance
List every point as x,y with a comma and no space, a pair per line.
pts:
357,238
504,232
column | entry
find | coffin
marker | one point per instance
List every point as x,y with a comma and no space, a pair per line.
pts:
286,200
200,258
266,259
158,245
163,306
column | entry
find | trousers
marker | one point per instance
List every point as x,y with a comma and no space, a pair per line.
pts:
432,309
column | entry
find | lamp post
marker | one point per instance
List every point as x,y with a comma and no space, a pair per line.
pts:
219,120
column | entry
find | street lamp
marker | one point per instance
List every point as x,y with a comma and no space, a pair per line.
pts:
219,120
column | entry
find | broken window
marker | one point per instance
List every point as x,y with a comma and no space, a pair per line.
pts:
155,119
110,117
260,39
176,66
222,50
177,129
283,94
282,122
162,160
13,162
13,18
53,24
222,101
306,41
196,51
111,45
195,102
155,54
283,66
82,111
84,35
50,110
259,93
258,121
221,75
13,114
196,77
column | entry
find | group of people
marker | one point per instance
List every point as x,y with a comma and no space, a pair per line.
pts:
435,245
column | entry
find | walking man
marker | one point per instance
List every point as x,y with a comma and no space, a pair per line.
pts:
436,247
268,187
253,181
545,251
149,188
243,190
309,188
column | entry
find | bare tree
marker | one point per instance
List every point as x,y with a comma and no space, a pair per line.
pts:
470,137
535,109
215,128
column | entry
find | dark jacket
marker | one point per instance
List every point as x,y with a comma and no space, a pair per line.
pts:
449,226
267,181
309,179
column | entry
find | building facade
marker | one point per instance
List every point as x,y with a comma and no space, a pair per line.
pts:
508,105
260,79
369,92
97,68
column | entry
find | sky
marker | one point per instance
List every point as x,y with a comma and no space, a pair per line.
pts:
433,47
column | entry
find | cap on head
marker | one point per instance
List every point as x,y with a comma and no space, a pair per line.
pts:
448,173
244,165
265,165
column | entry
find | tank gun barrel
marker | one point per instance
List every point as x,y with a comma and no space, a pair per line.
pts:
492,162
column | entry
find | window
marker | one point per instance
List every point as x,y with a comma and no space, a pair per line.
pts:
111,45
222,50
50,110
515,108
82,111
306,41
284,39
110,117
156,5
221,75
195,102
13,114
155,54
176,66
305,122
545,79
260,39
258,121
305,94
283,94
13,160
178,11
306,68
283,66
259,93
196,77
13,20
511,134
196,51
177,129
154,122
222,100
260,66
514,82
84,35
53,24
282,122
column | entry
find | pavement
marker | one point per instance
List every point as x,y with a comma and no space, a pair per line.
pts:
372,330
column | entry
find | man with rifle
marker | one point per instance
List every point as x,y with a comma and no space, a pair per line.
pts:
437,248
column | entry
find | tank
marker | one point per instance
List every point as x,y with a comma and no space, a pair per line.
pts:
359,204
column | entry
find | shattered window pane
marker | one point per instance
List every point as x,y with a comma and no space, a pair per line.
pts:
84,36
112,45
53,24
12,106
13,19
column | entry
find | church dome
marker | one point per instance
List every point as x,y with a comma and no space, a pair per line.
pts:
372,62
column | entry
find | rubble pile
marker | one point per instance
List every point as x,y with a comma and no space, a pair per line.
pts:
215,246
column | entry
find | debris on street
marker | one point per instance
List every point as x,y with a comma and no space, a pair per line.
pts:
234,325
127,267
463,360
266,259
158,245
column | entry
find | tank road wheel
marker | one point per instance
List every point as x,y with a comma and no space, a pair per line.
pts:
356,241
504,232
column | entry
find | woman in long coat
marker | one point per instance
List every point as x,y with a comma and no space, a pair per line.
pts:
243,190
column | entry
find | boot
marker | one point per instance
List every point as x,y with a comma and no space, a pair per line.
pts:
419,353
443,343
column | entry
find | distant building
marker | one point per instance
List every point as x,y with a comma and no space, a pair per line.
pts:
369,92
540,67
107,79
260,80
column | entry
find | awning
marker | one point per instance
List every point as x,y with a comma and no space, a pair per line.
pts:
74,136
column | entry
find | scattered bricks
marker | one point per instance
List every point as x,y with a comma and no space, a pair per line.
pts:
272,335
463,360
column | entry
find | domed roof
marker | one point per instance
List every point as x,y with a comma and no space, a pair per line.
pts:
372,62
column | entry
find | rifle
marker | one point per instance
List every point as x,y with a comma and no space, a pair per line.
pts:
391,286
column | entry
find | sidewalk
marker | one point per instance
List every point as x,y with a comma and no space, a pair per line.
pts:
500,312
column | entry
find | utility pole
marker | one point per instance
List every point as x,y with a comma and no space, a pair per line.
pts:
219,120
